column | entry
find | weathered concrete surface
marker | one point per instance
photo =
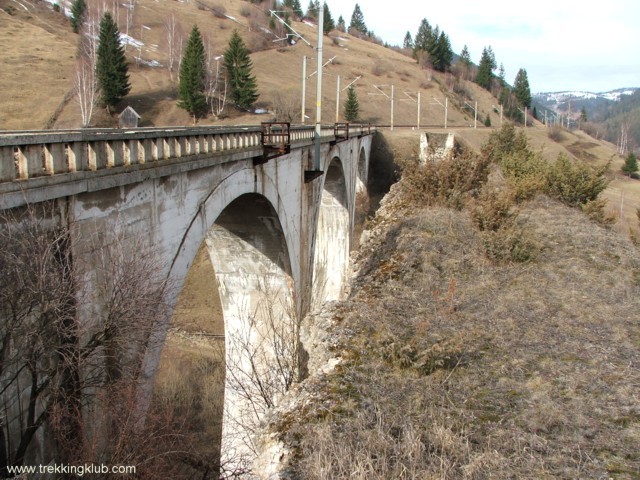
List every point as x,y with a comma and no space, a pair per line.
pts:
269,234
435,146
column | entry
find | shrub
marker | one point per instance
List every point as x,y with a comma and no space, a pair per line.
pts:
526,173
219,11
504,142
575,183
556,133
509,244
448,182
595,210
493,210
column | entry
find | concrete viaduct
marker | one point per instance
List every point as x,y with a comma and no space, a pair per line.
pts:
277,221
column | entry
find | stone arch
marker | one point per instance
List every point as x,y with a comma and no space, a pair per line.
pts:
240,233
332,238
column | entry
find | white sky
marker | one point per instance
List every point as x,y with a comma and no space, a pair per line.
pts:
562,44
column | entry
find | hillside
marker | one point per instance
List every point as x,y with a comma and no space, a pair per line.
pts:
607,112
278,69
450,361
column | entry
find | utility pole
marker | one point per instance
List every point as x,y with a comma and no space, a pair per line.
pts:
475,117
317,163
392,108
304,88
338,101
446,108
446,111
418,122
475,113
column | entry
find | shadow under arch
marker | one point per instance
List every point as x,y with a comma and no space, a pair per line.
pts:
332,239
246,269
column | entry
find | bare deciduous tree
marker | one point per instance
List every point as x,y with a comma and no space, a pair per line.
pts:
55,362
216,82
174,36
86,88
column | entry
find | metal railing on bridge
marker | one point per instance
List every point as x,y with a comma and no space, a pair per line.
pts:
29,154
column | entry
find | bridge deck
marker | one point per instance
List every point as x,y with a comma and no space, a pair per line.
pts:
74,161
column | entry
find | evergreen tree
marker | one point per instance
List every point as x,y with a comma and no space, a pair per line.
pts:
501,75
434,44
341,25
441,53
583,115
357,21
191,92
423,37
465,58
521,89
78,9
630,164
351,105
112,71
328,24
295,7
313,9
408,41
485,68
244,88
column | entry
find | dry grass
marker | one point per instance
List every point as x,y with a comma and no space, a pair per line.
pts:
37,63
456,366
153,95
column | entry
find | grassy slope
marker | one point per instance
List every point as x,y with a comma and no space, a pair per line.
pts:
37,61
153,94
455,367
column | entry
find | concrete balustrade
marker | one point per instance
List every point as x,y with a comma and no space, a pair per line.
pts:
36,159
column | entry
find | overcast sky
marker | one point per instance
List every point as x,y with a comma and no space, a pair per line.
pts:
562,44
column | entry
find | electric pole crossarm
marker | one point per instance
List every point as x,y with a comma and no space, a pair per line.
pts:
357,78
380,90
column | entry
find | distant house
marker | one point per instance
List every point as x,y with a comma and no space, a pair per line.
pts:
129,118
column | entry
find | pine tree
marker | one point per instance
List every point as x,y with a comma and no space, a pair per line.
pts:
312,9
465,58
423,37
357,21
297,8
630,164
408,41
191,91
78,9
485,68
521,89
583,115
351,105
328,24
441,53
341,25
244,88
111,66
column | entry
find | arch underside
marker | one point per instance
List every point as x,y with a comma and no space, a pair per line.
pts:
331,254
249,254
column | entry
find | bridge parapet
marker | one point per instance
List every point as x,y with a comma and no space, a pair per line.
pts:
29,154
